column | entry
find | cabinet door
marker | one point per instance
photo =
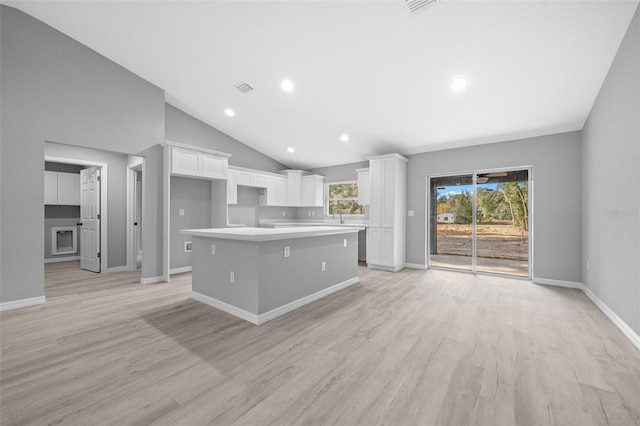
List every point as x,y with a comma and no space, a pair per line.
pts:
363,187
186,162
282,191
388,247
50,187
374,245
244,178
232,187
376,191
258,180
69,189
214,167
388,194
294,189
308,191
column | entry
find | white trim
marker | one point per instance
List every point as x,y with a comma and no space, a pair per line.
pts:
180,270
230,309
104,182
385,268
22,303
267,316
118,269
195,148
615,319
415,266
62,259
135,164
152,280
558,283
305,300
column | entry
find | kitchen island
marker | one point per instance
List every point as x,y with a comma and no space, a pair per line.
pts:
258,274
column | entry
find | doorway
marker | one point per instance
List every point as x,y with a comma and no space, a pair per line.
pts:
91,203
480,222
135,203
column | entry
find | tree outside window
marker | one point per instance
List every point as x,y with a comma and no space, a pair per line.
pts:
343,198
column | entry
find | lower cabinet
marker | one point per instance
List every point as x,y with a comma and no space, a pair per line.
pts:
380,248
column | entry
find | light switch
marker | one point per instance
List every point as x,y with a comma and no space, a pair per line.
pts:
181,212
287,251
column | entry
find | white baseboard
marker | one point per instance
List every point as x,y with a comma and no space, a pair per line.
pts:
613,317
118,269
22,303
262,318
61,259
152,280
180,270
223,306
415,266
385,268
558,283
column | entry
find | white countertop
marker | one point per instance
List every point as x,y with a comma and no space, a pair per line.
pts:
284,224
271,234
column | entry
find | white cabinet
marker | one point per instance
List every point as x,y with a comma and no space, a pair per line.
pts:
247,178
232,187
304,191
387,223
193,163
364,186
61,188
51,187
281,183
313,191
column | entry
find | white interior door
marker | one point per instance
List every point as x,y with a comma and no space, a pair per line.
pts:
90,219
138,219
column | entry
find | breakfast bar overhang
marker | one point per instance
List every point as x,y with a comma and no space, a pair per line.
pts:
258,274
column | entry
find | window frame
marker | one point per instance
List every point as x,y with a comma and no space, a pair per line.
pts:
326,199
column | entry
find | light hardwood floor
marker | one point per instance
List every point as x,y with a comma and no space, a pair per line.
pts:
413,347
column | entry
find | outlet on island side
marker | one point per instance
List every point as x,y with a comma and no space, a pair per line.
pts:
324,266
232,277
287,251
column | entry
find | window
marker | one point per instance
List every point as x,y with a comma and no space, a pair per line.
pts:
343,198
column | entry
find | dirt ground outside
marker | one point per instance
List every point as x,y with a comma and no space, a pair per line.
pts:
496,241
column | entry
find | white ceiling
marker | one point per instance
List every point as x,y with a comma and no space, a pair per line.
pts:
369,69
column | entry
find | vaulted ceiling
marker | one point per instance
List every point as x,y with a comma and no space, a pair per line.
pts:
368,69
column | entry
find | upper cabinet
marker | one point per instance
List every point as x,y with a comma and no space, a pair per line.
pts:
204,164
61,188
313,191
364,186
232,187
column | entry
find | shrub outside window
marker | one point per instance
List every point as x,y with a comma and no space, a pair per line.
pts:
342,198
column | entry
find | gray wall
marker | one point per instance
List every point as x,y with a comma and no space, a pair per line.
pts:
56,89
341,173
194,196
116,194
611,186
182,128
556,195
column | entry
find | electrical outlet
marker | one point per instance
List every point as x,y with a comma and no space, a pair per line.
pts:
411,213
324,266
313,213
308,213
284,213
344,243
181,212
188,246
213,249
232,277
287,251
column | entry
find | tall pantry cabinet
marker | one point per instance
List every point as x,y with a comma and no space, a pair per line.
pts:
387,222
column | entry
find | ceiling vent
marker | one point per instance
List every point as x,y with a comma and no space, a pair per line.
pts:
243,87
416,5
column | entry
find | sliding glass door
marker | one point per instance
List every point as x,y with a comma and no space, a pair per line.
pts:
480,222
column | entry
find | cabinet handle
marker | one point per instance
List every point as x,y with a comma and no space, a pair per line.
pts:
79,224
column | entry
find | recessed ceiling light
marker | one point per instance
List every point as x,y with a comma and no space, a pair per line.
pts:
291,150
287,85
344,138
459,84
229,112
